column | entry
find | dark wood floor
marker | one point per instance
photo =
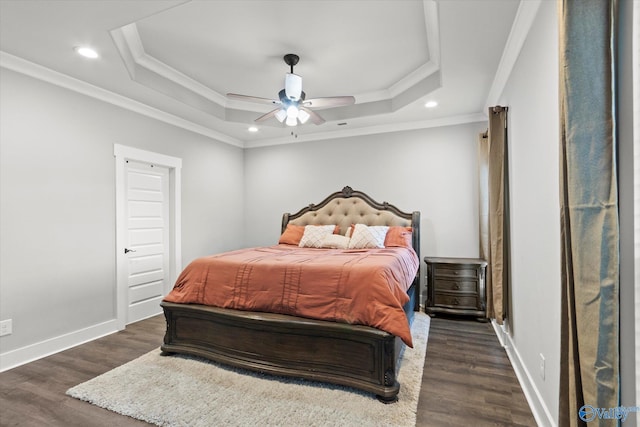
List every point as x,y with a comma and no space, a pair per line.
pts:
467,380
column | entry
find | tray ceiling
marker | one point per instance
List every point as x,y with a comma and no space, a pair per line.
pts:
180,58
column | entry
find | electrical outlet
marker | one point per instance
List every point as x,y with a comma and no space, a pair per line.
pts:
541,366
6,327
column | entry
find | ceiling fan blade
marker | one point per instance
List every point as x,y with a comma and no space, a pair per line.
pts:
253,99
330,101
315,117
267,116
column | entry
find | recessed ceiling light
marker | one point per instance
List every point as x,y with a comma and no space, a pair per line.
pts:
253,129
87,52
431,104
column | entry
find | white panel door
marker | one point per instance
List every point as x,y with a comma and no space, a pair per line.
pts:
147,249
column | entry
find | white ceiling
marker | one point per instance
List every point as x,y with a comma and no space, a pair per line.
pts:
176,59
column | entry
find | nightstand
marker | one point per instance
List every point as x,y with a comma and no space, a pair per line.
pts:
456,286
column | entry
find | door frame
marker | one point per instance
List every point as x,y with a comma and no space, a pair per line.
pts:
122,153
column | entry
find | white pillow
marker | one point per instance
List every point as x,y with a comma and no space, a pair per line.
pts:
313,235
348,232
335,241
368,237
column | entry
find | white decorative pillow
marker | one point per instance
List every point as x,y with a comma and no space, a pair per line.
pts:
368,237
313,235
348,232
335,241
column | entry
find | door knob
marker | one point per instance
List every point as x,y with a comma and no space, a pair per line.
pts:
127,250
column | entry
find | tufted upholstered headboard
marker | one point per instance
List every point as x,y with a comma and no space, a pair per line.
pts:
348,207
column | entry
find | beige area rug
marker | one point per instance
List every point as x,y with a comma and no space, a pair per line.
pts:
189,391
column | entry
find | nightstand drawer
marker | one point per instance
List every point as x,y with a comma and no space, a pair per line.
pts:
456,301
470,286
446,270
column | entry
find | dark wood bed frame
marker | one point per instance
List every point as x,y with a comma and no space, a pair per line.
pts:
358,356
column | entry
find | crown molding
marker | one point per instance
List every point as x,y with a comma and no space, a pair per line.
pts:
432,28
527,11
371,130
129,40
40,72
20,65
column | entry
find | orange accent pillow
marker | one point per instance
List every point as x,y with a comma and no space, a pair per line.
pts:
398,237
292,235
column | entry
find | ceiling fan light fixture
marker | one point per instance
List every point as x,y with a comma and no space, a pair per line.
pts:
294,107
292,121
293,86
303,116
281,115
292,111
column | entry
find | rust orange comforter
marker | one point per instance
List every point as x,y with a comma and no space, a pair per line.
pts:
358,286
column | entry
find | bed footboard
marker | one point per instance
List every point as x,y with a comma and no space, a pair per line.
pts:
352,355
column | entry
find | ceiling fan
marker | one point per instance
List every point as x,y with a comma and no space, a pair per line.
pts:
293,107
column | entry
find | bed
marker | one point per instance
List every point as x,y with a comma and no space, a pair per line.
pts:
339,351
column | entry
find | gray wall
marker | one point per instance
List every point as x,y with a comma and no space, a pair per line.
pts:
532,96
433,171
57,203
626,135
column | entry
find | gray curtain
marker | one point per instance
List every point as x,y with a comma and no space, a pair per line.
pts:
494,212
589,365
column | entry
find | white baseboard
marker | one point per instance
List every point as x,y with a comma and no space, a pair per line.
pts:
532,394
14,358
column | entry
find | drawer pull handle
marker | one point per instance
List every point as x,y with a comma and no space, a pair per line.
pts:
456,272
455,301
456,286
